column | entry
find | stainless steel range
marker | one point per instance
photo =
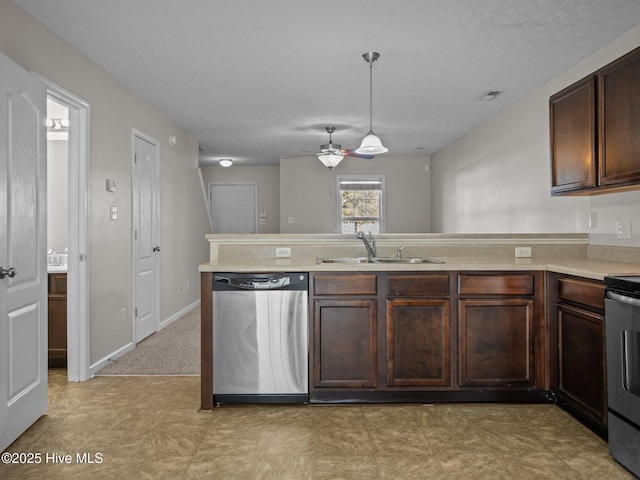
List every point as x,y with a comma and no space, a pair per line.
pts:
622,318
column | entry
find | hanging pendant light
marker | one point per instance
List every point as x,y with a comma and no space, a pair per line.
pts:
371,144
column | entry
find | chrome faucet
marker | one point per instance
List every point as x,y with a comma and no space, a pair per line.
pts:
370,244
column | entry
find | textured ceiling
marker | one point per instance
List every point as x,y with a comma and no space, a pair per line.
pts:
255,80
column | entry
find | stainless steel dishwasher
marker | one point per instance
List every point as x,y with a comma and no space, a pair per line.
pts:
260,338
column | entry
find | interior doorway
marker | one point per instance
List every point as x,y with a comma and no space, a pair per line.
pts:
76,173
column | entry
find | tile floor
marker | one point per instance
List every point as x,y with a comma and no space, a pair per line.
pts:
150,428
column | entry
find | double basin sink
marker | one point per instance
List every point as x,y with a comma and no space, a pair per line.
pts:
356,260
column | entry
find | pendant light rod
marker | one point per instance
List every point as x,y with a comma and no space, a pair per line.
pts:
370,57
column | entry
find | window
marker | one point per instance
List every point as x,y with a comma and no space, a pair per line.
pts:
360,203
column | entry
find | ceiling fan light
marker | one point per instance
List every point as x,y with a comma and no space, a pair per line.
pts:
371,145
226,162
330,160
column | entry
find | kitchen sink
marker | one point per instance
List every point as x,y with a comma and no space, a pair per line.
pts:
356,260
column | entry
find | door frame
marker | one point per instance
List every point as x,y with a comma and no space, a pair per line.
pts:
156,258
78,207
234,184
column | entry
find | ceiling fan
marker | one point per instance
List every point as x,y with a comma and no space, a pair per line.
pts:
331,154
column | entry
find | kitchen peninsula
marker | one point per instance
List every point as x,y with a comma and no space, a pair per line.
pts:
481,326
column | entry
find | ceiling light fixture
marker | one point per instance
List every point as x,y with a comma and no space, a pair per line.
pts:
225,162
57,124
371,144
491,95
330,154
330,160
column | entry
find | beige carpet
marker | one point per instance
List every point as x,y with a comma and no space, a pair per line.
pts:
174,350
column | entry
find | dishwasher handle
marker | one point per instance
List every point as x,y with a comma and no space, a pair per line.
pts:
296,281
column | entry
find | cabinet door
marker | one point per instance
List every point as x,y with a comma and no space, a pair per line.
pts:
57,331
344,343
619,121
496,342
418,343
57,320
582,368
573,137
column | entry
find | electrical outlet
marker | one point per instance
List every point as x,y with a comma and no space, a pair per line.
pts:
523,252
283,252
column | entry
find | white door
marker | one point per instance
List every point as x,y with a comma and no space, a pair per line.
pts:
233,208
23,243
145,237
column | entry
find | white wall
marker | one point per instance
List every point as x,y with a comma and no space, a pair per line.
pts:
57,178
266,177
307,192
496,178
115,112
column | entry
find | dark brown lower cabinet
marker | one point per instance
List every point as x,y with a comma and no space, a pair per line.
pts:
418,342
496,342
398,337
345,343
581,372
57,321
577,320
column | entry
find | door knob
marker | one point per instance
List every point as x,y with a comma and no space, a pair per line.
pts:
4,272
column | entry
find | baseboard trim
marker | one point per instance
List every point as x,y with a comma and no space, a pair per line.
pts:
177,315
100,364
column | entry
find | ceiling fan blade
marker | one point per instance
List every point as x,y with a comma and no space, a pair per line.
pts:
352,153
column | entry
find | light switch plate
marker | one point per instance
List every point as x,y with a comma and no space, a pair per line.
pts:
113,212
623,229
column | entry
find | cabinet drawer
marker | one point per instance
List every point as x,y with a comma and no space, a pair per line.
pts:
58,283
418,285
361,284
581,291
487,284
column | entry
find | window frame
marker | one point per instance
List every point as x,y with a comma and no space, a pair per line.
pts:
340,179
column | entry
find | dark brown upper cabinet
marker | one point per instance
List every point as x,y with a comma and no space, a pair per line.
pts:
594,131
619,125
572,118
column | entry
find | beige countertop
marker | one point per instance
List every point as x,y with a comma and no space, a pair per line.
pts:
582,267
